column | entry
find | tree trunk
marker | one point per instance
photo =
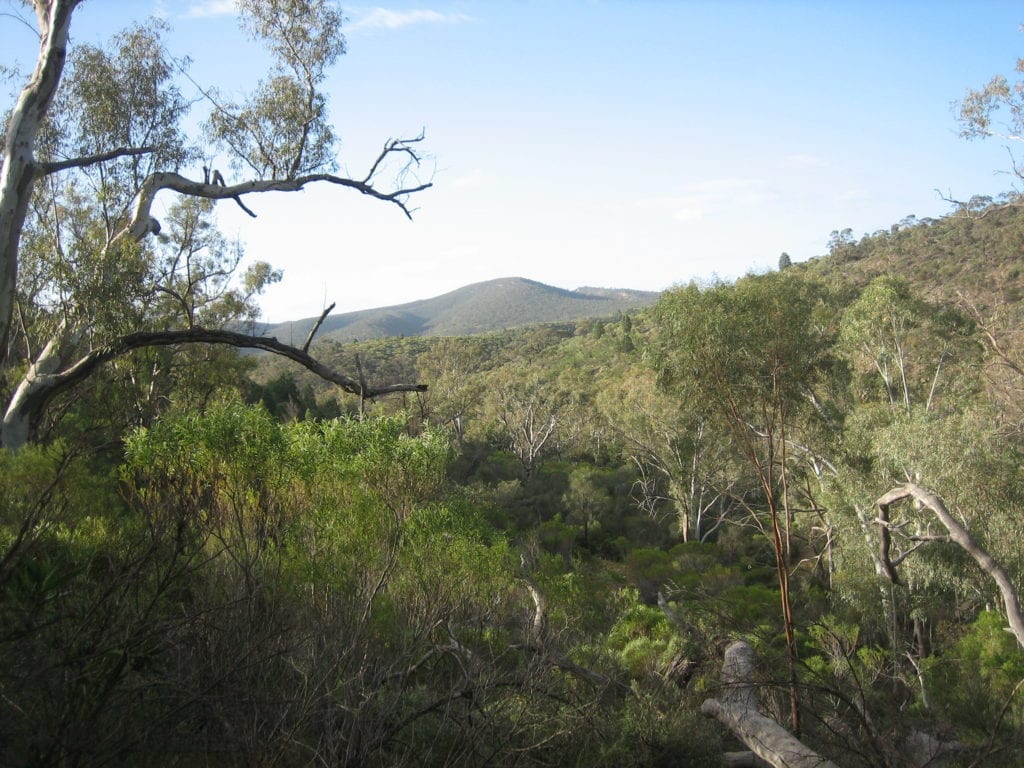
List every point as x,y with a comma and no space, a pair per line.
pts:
958,535
738,710
18,170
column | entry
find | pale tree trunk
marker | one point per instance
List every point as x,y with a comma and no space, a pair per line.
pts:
959,536
738,710
60,364
18,169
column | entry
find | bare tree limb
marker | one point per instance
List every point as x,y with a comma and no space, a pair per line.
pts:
141,220
959,535
45,169
316,326
49,378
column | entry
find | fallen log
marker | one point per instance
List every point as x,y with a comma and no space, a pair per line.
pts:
738,710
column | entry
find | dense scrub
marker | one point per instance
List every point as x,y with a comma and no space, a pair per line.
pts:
208,558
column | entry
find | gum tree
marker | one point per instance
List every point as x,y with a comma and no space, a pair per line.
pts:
750,354
94,137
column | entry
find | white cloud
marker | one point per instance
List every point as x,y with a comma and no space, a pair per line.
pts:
382,18
707,198
207,8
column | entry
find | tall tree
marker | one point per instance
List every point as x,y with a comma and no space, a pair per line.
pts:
751,353
87,148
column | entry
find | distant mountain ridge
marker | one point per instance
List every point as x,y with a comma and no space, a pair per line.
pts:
493,305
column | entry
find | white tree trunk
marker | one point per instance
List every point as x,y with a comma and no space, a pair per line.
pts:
959,535
738,710
18,170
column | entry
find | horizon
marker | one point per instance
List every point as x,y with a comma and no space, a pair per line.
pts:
334,314
625,145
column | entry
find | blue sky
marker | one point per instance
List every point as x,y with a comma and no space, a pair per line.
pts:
610,143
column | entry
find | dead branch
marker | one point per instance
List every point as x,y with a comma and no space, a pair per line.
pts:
316,326
44,382
141,219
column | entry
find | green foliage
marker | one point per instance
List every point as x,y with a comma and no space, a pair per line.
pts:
978,682
282,130
642,641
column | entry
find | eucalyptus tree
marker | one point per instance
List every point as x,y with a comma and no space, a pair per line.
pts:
912,345
87,149
452,365
682,461
750,355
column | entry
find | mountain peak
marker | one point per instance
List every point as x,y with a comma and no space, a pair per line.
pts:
491,305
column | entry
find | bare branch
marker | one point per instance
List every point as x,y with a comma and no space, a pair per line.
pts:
141,221
45,169
316,327
960,536
396,146
39,387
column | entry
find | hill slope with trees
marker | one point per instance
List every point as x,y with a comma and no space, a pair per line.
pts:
493,305
774,519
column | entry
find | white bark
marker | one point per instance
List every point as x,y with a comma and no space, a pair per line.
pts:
960,536
18,171
21,414
738,710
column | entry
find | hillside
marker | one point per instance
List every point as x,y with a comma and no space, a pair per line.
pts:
492,305
977,257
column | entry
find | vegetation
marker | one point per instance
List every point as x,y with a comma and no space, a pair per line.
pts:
540,560
493,305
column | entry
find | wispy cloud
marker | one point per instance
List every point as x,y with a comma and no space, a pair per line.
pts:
475,179
382,18
207,8
706,198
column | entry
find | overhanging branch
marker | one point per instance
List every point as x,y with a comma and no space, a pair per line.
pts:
85,367
141,222
45,382
81,162
958,535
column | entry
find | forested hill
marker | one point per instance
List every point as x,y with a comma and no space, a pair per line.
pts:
493,305
974,256
968,255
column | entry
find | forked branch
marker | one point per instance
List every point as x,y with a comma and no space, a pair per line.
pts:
958,535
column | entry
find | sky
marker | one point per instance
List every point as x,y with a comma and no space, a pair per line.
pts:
606,143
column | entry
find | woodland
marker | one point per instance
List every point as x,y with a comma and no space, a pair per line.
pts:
774,521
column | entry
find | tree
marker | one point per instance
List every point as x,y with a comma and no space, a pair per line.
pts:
996,110
751,353
958,535
681,458
785,261
455,393
88,148
896,334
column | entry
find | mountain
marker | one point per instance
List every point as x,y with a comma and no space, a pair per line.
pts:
493,305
